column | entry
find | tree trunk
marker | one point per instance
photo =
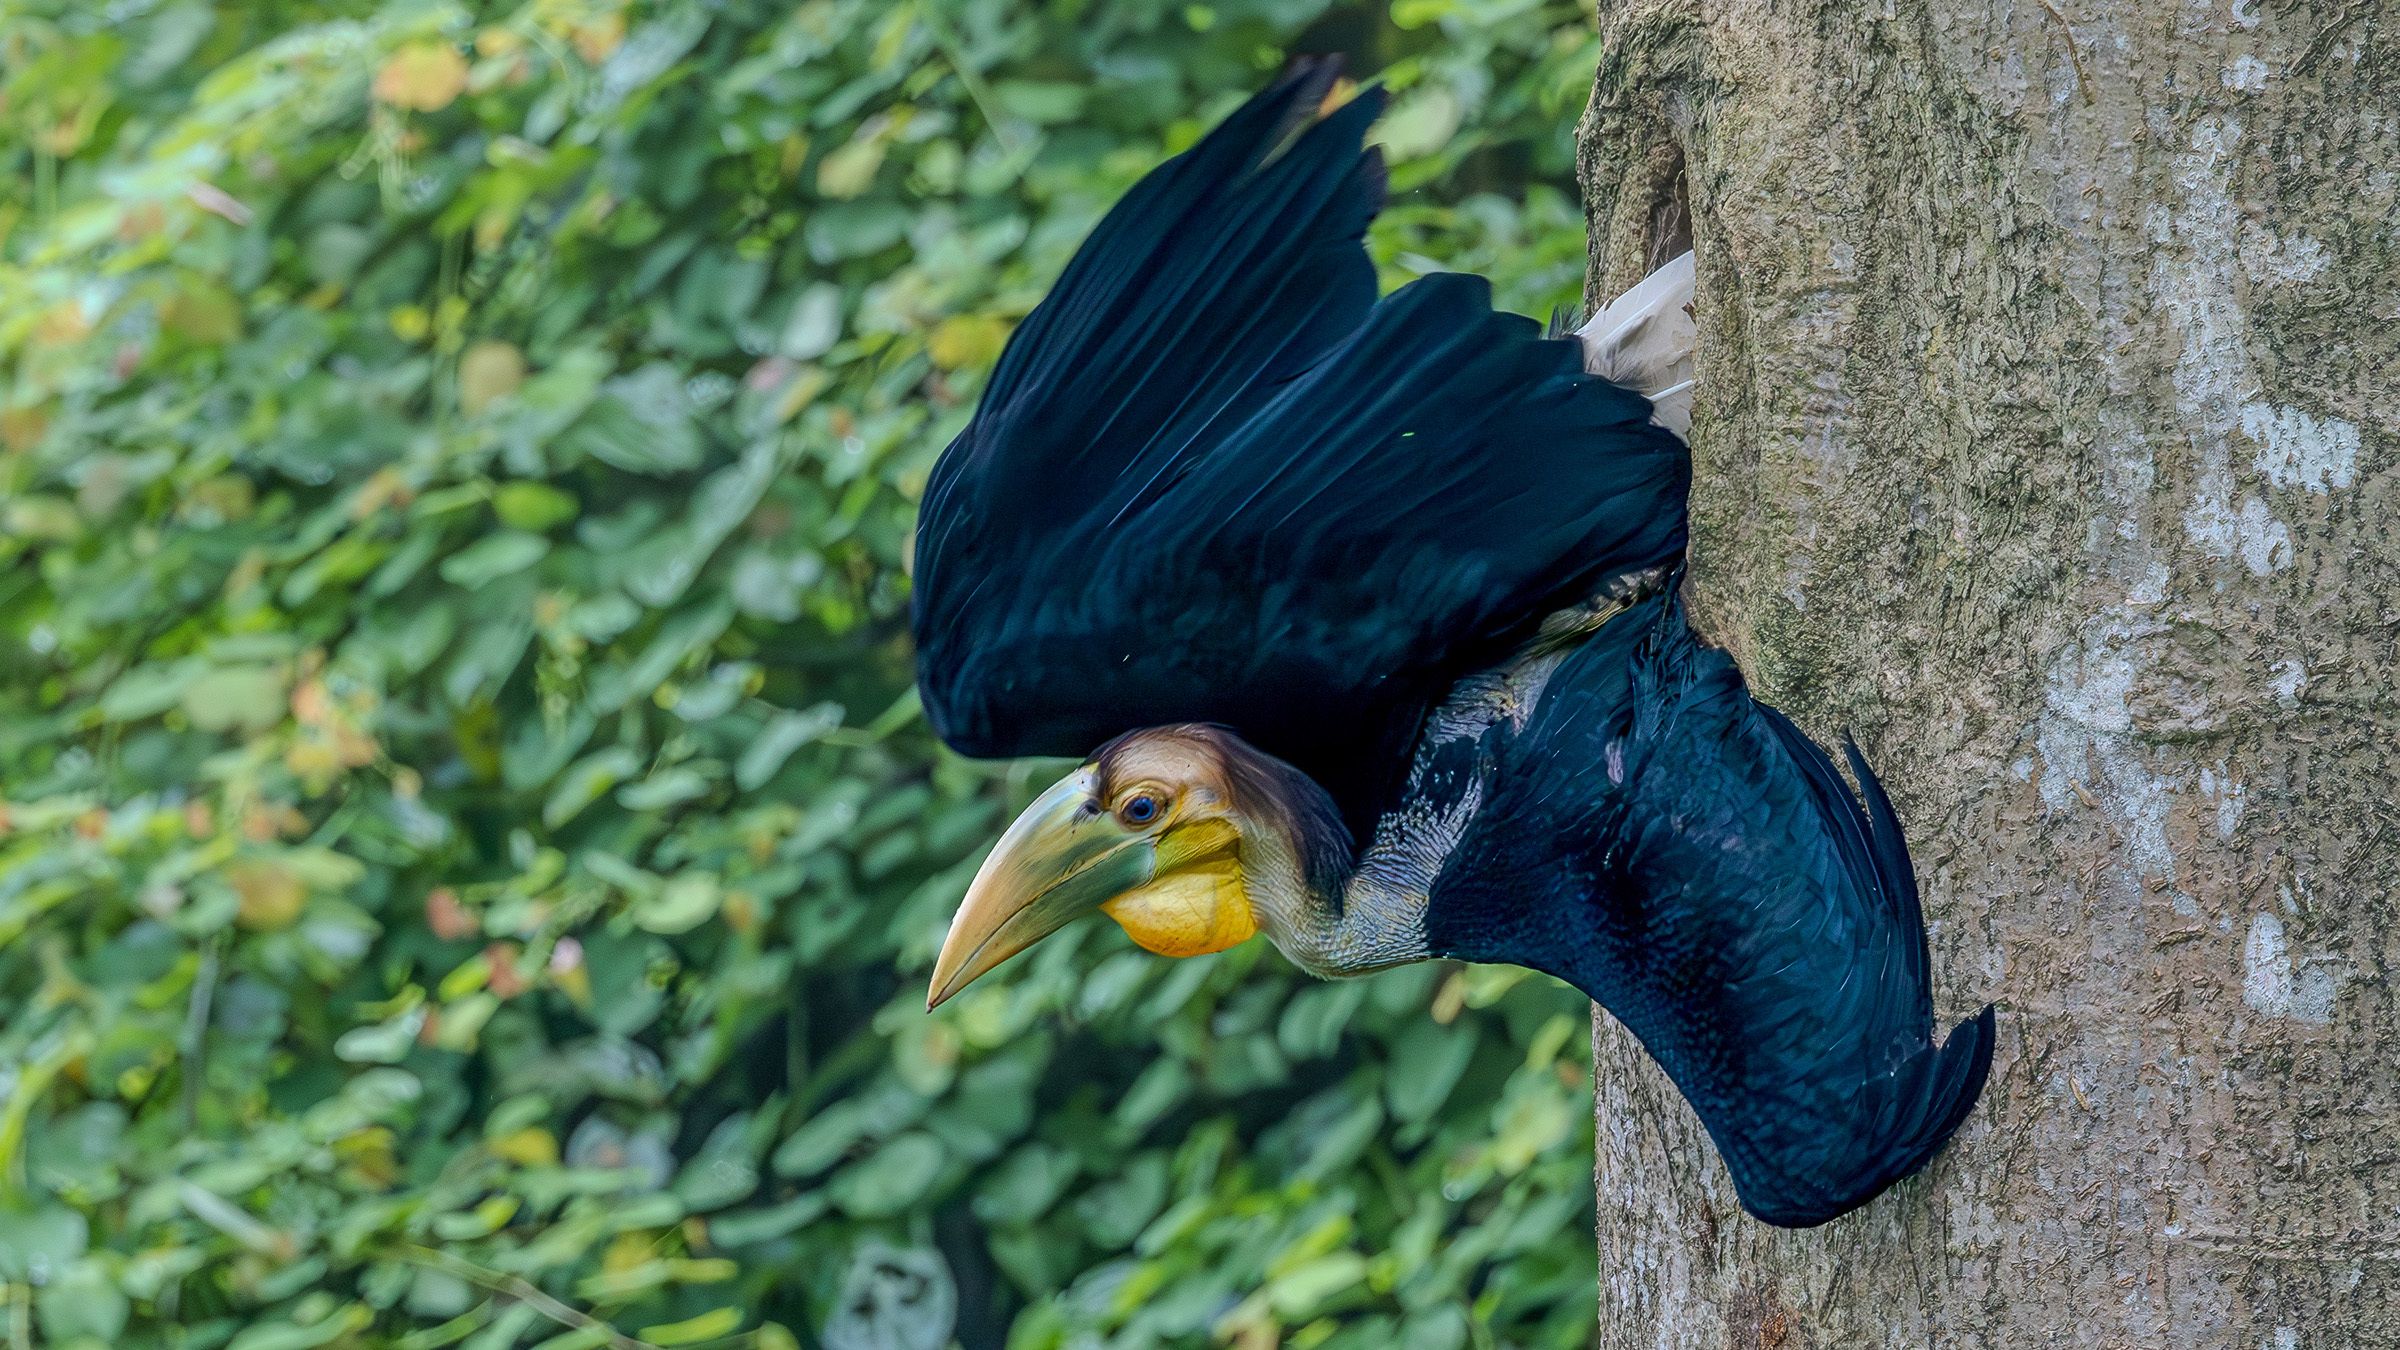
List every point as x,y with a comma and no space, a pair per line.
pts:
2047,412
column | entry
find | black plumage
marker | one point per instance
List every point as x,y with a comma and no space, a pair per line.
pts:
1684,855
1214,480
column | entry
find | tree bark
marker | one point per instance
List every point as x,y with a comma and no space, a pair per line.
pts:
2050,388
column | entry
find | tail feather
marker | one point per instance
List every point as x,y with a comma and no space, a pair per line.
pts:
1946,1084
1645,340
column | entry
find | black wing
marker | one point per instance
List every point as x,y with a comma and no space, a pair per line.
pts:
1686,856
1213,480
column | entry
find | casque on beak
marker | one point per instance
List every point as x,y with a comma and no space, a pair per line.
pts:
1064,857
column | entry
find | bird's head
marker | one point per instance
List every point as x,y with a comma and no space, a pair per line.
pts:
1187,837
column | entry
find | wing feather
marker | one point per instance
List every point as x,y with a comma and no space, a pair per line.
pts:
1214,480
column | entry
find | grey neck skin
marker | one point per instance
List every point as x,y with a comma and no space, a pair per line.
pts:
1378,918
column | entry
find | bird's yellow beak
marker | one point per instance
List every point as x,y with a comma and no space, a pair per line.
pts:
1176,889
1062,859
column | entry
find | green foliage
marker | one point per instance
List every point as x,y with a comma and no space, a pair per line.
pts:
469,856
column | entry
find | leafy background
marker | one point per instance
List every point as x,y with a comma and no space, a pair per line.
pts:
469,855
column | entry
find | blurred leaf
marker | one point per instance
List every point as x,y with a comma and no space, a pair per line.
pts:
585,783
850,169
148,690
894,1300
642,423
492,557
38,1244
487,373
533,507
708,1326
423,76
890,1180
270,893
967,341
82,1302
686,901
784,733
235,698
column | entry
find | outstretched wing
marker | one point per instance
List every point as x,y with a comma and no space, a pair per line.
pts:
1686,856
1214,481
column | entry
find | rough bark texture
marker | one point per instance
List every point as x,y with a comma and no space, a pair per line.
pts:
2050,389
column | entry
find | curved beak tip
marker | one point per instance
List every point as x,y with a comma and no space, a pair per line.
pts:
949,977
941,990
1055,862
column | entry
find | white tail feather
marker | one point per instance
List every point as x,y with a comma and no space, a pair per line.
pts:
1645,340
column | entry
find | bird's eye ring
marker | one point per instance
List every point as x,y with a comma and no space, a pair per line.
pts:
1139,809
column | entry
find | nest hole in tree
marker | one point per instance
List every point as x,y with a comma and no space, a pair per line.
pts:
1668,233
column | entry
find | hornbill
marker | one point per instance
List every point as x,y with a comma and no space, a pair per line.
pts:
1371,607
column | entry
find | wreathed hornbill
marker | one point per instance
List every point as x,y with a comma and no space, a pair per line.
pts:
1371,607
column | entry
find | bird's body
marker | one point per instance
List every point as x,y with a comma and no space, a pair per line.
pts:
1374,605
1793,1006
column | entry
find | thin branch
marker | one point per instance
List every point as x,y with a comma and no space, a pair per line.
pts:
514,1287
195,1035
954,51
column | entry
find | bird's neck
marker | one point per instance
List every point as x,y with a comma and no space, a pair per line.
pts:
1331,912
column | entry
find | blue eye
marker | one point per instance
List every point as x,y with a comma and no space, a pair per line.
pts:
1139,810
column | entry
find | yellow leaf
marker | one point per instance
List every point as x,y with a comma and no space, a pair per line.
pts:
386,486
354,749
464,978
1450,1000
39,515
422,77
410,323
203,312
62,323
702,1270
369,1156
312,706
268,894
850,170
629,1251
967,341
491,228
217,500
576,984
708,1326
596,41
23,428
313,761
801,392
487,373
141,221
532,1146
